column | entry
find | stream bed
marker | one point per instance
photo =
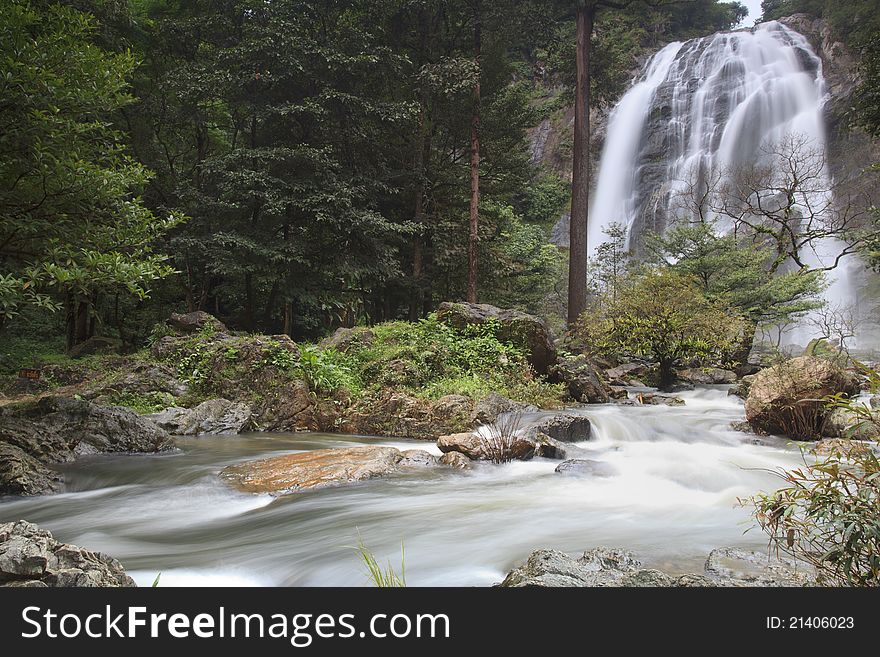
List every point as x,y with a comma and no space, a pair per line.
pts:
678,472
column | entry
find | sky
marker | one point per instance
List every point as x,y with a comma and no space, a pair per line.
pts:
754,11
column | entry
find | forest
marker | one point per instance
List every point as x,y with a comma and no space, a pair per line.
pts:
491,226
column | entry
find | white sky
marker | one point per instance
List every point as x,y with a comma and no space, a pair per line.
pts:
754,11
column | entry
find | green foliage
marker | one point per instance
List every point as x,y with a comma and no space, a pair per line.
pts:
827,514
142,403
379,576
324,370
431,359
661,315
737,275
71,221
854,21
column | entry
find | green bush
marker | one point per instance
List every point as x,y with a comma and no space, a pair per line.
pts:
828,513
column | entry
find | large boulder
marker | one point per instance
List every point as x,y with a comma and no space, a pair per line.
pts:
481,448
311,470
211,417
529,333
395,413
581,379
789,398
30,556
195,322
59,429
22,474
707,376
564,427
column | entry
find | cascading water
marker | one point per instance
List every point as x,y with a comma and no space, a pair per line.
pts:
700,110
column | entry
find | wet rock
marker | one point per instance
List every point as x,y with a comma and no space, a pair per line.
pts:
707,376
657,399
312,470
455,460
618,392
563,427
789,398
417,458
733,566
479,448
556,450
195,321
30,556
487,410
581,379
22,474
844,423
586,468
604,567
57,429
601,567
211,417
525,331
874,402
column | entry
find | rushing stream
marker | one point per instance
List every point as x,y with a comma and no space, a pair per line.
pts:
673,499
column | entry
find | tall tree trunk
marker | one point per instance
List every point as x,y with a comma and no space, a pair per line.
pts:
78,321
667,375
475,158
249,301
421,158
580,181
288,317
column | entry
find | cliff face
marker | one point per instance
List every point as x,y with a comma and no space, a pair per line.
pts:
851,150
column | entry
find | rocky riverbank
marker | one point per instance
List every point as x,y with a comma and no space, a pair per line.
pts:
31,557
604,567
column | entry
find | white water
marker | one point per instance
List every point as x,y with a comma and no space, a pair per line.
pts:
679,472
699,111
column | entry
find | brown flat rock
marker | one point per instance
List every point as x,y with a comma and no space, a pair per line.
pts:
311,470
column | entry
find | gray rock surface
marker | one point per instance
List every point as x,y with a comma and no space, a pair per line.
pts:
211,417
586,468
604,567
59,429
30,556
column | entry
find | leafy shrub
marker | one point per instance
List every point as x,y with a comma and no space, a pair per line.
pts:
325,370
828,514
142,403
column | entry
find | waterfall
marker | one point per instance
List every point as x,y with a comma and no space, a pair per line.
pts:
702,108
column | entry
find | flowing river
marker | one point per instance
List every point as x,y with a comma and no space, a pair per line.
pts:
679,472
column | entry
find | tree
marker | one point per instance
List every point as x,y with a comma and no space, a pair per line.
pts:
473,235
739,276
586,12
612,260
789,203
664,316
72,225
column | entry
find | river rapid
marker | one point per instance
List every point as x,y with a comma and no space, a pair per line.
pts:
673,498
